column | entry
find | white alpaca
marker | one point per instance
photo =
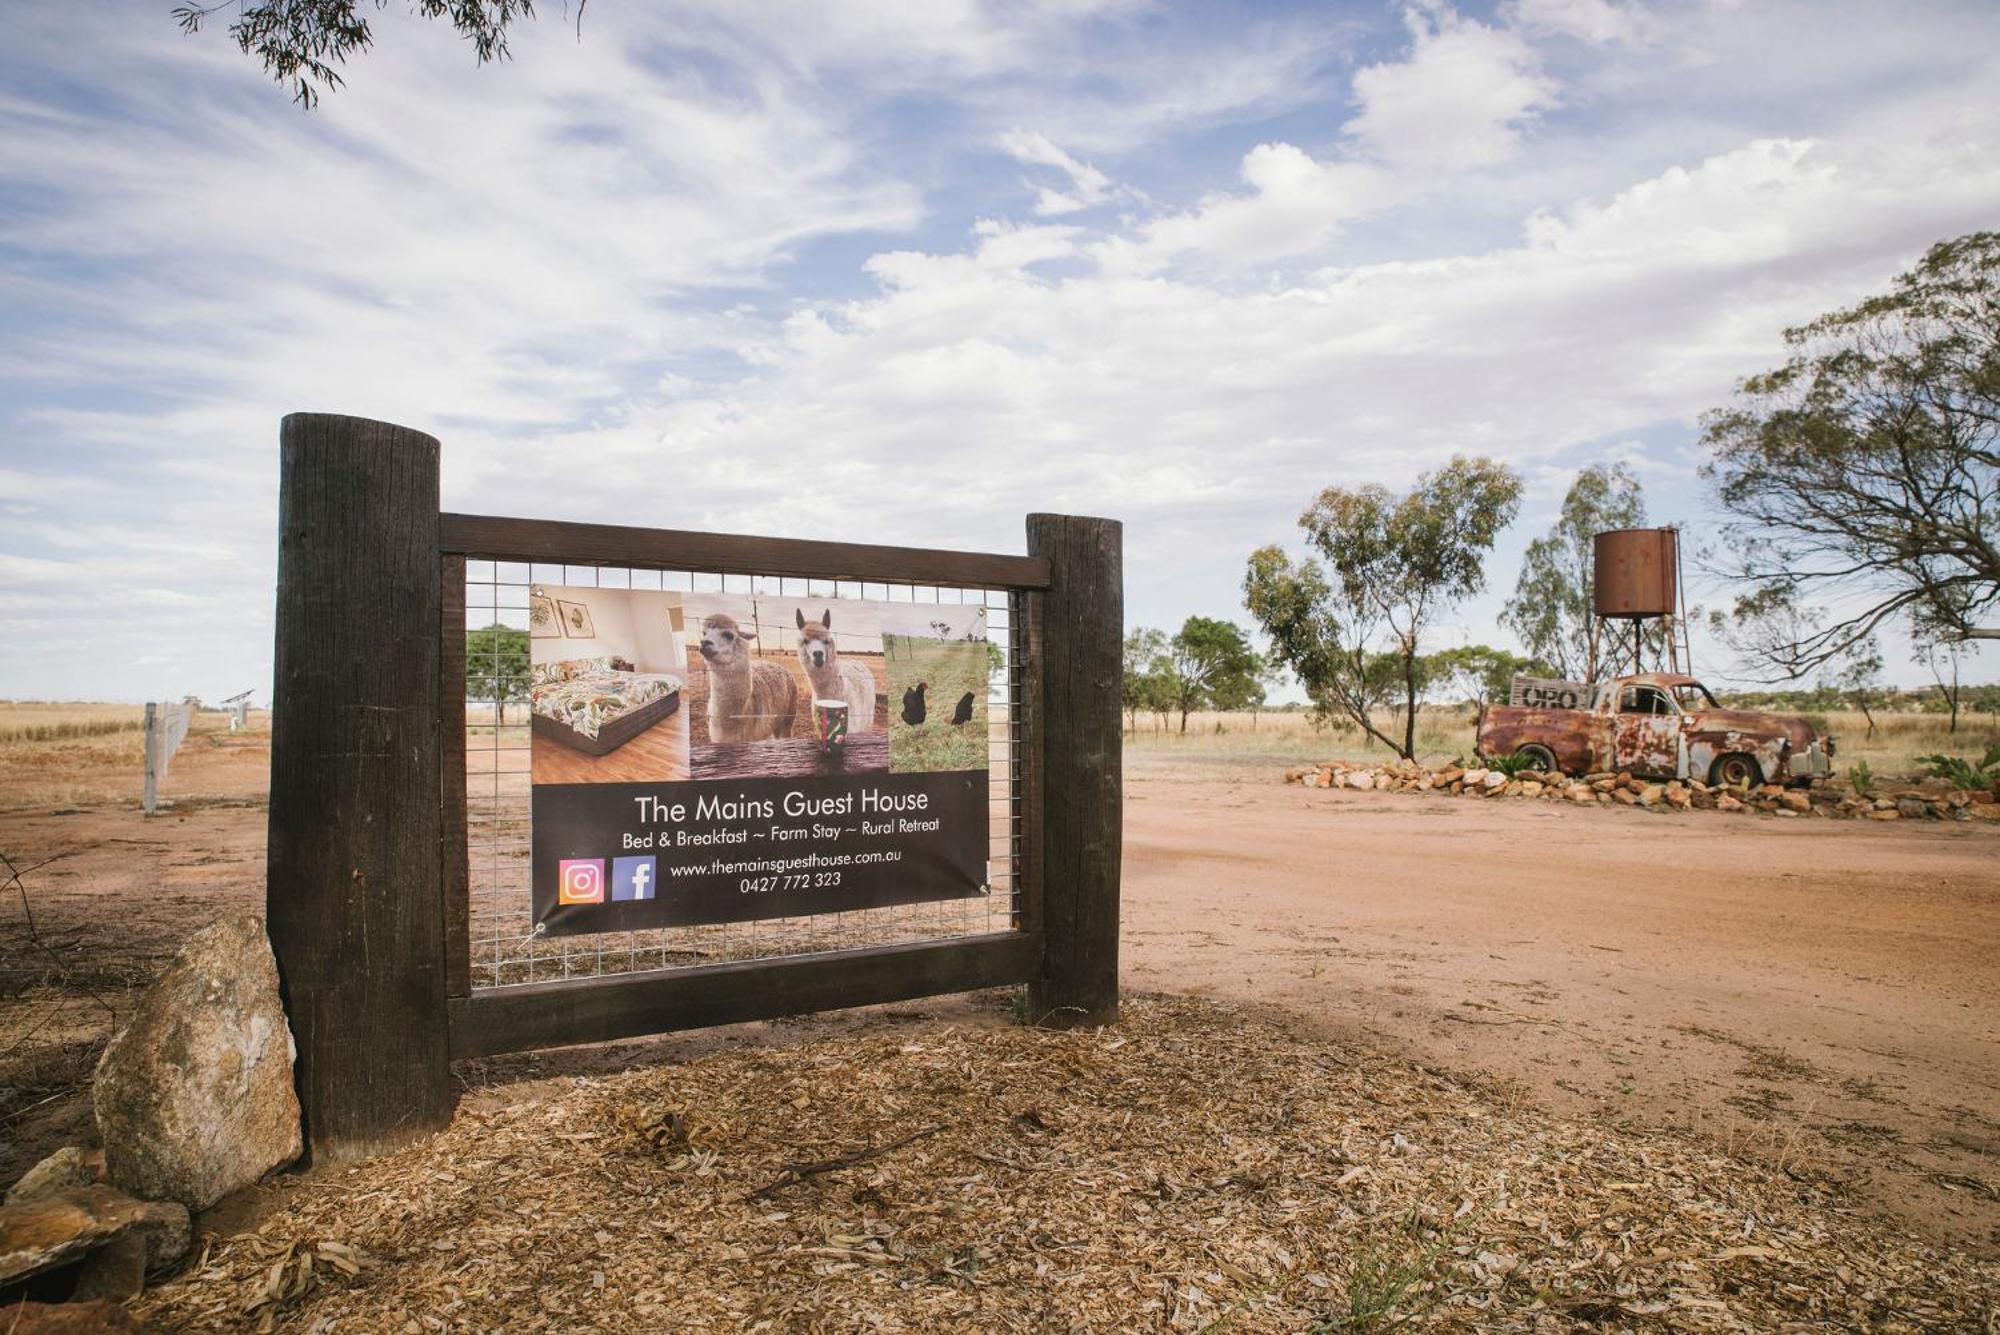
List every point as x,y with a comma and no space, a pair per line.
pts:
748,700
835,678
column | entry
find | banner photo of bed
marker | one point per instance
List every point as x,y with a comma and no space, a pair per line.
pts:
709,758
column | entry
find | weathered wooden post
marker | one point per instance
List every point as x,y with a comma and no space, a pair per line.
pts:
1082,792
353,897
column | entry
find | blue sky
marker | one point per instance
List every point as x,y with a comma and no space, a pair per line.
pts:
906,272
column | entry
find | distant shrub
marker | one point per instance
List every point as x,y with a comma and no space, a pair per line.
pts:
1963,773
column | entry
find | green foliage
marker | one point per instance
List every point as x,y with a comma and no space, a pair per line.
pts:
1145,686
496,665
1869,462
1509,765
1861,778
1480,674
1395,1283
1351,630
1551,609
302,42
1208,663
1963,773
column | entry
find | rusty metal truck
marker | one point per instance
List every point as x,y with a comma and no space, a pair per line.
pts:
1659,724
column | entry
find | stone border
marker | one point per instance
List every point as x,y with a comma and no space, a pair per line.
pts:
1826,799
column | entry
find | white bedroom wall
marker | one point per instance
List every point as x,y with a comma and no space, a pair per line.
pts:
657,620
610,617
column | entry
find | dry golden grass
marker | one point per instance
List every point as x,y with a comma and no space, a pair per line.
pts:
1900,738
63,754
62,720
1217,741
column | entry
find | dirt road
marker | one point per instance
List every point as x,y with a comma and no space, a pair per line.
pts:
1825,996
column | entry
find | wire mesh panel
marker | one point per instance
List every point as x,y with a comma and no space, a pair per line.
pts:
506,947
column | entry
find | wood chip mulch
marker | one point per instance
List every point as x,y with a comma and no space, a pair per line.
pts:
1192,1168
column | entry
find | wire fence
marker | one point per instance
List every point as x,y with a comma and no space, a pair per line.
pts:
507,949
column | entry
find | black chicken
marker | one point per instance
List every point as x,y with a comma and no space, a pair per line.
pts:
962,714
913,703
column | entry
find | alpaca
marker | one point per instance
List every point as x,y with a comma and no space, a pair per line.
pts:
748,700
835,678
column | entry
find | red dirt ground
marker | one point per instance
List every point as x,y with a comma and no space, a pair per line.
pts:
1822,995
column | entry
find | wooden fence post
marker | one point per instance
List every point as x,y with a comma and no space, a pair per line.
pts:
353,897
1081,738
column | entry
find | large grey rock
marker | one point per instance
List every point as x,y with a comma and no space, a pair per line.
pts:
52,1231
68,1167
194,1099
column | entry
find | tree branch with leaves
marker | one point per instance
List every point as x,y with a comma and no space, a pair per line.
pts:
1869,463
1552,609
1351,631
305,43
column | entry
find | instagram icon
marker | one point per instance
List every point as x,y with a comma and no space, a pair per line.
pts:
580,881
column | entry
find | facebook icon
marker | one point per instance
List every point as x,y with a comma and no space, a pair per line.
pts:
632,878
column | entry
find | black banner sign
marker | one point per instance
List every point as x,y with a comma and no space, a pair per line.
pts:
631,856
718,757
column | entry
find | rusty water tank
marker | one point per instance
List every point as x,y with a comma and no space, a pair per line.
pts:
1635,570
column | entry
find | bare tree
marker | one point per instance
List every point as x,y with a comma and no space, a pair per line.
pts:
1857,678
1869,463
1941,656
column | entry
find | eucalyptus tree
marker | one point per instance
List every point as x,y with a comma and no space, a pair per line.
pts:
1552,609
1866,468
1352,630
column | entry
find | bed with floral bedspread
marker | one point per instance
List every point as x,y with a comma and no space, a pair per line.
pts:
595,705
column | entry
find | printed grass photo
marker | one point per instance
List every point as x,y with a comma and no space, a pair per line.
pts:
937,706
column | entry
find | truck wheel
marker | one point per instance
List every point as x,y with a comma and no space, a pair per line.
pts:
1735,770
1538,758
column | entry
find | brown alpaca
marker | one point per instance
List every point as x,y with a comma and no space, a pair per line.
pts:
748,700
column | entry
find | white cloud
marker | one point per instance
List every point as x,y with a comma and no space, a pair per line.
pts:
1458,100
1206,415
1294,205
1088,187
1596,21
1461,99
662,276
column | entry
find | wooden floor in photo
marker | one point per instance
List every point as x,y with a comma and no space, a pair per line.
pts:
792,758
657,755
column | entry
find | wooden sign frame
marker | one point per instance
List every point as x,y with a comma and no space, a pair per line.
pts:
367,895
